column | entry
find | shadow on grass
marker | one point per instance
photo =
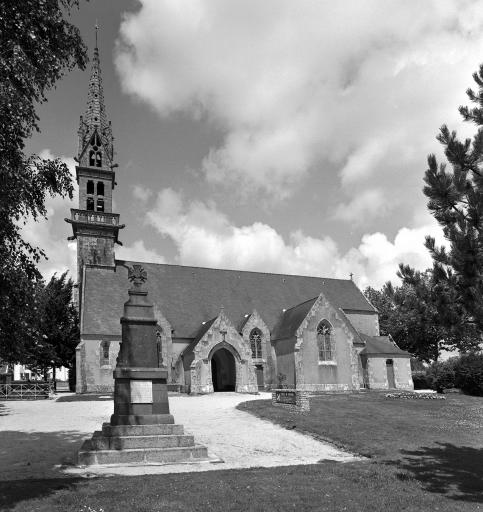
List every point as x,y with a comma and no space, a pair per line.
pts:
16,491
454,471
105,397
36,455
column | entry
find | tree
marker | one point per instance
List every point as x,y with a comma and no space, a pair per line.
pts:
37,46
456,202
414,314
57,327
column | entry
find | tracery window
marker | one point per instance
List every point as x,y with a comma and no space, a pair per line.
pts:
256,343
325,341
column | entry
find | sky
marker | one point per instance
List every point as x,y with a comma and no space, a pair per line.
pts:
278,136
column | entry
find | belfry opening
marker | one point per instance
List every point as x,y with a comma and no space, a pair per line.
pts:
223,370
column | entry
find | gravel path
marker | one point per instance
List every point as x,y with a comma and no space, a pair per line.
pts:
38,439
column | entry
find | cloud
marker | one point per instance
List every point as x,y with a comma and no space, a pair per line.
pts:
138,252
204,236
142,194
367,205
355,88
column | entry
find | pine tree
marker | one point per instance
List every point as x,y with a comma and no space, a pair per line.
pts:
456,202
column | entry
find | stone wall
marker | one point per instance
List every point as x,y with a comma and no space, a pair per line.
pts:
377,372
93,375
339,374
267,360
402,373
301,399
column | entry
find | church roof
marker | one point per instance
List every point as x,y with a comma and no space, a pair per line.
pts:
382,346
188,296
291,319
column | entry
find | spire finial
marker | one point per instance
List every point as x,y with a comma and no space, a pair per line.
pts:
96,26
351,276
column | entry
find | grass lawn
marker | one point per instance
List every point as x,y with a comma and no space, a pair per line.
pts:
425,456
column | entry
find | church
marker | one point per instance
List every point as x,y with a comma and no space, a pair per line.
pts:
217,330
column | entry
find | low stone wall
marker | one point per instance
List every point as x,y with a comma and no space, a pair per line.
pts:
296,400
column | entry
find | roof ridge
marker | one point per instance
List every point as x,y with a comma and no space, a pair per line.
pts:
235,270
300,303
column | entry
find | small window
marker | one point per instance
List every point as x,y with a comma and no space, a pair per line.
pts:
98,159
92,158
90,187
100,188
90,204
325,341
256,343
105,345
100,205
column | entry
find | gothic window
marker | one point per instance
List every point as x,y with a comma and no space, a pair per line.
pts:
256,343
100,204
92,159
98,159
90,204
325,341
90,187
95,140
100,188
104,353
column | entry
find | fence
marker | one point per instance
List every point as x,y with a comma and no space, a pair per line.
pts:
26,391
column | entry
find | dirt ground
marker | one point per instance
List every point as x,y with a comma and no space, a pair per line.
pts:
39,439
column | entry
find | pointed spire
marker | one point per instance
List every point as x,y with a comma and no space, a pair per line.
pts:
95,117
96,111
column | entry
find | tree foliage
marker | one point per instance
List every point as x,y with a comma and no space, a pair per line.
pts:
37,46
456,202
414,314
56,332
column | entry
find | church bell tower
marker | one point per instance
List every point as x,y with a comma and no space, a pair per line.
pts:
94,225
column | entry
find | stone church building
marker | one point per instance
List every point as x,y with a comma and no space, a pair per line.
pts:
218,330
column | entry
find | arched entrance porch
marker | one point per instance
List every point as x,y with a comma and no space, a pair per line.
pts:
223,370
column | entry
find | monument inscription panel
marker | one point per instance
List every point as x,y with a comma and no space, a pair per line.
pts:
141,392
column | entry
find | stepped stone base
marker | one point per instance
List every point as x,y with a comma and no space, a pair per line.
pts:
140,444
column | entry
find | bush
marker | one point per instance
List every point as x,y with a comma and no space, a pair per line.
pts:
442,375
421,380
469,374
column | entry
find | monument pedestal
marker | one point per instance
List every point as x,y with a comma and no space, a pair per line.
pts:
142,430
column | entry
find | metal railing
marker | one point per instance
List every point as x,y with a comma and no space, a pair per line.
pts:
95,217
26,391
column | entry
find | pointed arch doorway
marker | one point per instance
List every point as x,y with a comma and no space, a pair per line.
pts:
223,370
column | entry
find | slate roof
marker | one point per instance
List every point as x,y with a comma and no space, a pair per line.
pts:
188,296
291,319
381,345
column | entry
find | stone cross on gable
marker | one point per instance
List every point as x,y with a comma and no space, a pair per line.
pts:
137,275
